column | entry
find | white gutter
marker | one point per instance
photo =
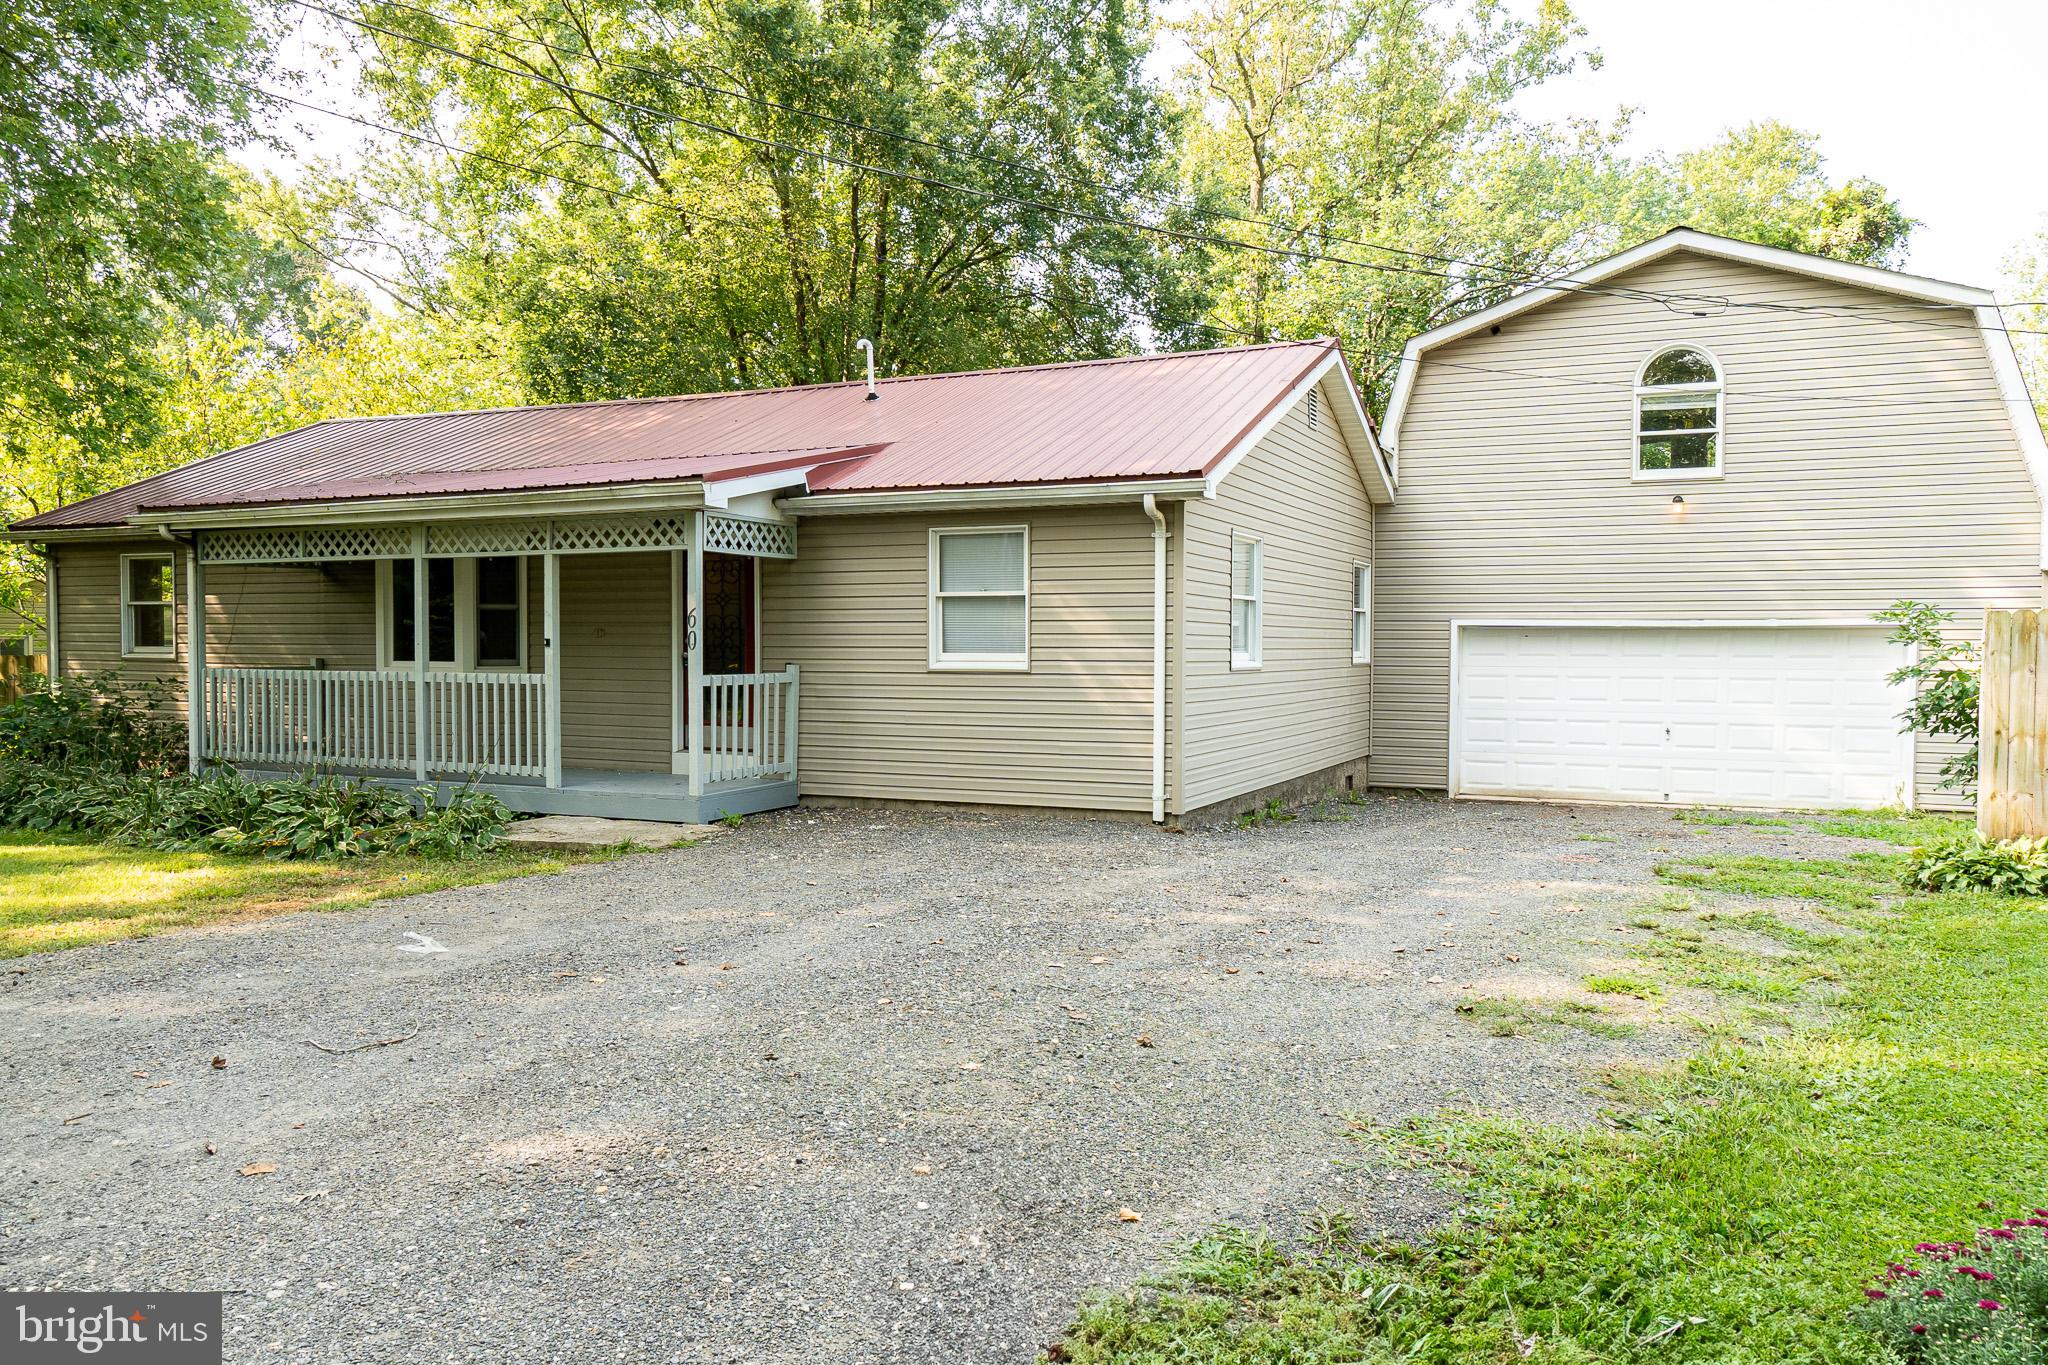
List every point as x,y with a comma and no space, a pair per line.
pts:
967,499
1158,658
672,495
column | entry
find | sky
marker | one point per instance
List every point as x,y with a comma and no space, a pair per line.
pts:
1935,99
1938,100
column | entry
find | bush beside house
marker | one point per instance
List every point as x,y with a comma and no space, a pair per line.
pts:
96,756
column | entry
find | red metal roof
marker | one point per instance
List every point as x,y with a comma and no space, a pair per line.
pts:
1143,417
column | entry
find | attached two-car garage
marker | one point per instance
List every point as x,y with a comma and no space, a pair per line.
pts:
1779,715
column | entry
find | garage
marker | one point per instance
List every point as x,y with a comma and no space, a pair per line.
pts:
1766,715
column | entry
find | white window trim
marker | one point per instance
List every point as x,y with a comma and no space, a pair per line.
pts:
465,619
1361,611
936,657
1255,658
1717,389
129,649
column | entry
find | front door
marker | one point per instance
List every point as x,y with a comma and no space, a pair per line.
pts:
728,614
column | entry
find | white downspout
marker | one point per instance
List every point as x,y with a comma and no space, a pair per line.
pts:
1158,658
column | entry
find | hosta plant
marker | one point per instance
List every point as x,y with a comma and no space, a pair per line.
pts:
1981,1302
2012,867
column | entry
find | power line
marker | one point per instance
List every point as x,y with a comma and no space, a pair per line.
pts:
1671,299
456,149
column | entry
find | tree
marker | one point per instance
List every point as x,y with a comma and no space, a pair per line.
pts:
1946,676
1767,183
113,209
2026,275
1384,132
731,195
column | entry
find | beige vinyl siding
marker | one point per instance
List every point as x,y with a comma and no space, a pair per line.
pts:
1308,706
1864,460
878,722
615,662
257,616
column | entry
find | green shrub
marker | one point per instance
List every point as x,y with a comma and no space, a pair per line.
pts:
1968,1303
2014,867
102,720
307,817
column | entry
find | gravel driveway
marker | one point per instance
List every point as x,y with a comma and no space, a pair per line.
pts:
840,1086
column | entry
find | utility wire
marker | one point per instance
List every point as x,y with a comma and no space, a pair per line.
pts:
456,149
1677,301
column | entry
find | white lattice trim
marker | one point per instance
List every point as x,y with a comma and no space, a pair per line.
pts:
529,536
749,536
587,535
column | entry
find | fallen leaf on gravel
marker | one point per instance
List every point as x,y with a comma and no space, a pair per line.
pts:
920,1170
597,981
140,1075
158,1085
1128,1216
1514,957
725,966
1097,960
560,974
211,1149
970,1066
1230,971
220,1064
603,1188
1436,981
258,1168
1400,950
885,1000
1145,1040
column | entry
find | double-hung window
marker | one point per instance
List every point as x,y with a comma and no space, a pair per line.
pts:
1678,415
1361,614
476,613
980,609
147,625
1247,599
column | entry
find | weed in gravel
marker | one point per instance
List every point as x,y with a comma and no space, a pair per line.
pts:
1511,1016
1702,816
1622,983
1854,883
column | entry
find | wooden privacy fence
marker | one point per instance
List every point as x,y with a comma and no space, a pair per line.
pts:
14,671
2012,725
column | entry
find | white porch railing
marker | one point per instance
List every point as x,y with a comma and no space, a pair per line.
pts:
749,725
481,723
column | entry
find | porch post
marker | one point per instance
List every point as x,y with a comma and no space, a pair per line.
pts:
420,703
551,654
195,660
693,638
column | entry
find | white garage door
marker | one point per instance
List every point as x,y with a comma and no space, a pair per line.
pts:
1737,716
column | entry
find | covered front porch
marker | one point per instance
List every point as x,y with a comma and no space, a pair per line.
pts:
636,691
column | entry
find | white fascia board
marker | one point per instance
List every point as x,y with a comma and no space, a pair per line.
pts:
2019,409
719,493
1350,416
970,499
1916,287
679,495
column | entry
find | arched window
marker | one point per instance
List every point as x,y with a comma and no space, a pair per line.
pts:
1678,414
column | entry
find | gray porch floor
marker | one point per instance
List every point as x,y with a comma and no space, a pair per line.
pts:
616,795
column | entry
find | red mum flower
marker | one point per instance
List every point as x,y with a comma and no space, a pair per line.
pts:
1932,1294
1875,1294
1919,1329
1990,1305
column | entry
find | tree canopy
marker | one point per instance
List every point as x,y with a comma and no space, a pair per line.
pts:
575,199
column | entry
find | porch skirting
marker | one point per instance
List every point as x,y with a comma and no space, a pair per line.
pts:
587,791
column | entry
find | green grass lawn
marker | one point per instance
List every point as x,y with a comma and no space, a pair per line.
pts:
57,891
1889,1078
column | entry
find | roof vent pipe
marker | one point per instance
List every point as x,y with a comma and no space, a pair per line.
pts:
869,347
